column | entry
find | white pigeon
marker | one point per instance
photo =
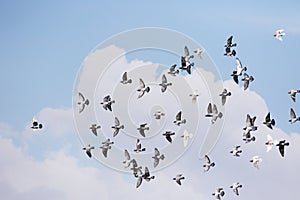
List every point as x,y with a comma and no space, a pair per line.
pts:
270,143
219,193
164,83
82,102
117,127
235,187
199,52
94,128
186,137
127,160
279,33
194,96
256,160
88,150
239,70
178,121
293,116
142,89
125,79
157,156
208,164
293,93
179,178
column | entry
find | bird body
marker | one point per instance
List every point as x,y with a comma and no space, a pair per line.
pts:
293,116
178,178
279,33
142,129
164,83
88,150
157,156
125,79
208,164
139,148
168,135
142,89
82,102
117,127
178,121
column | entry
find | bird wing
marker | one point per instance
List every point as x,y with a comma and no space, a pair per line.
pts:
163,88
246,84
248,120
124,77
104,151
223,100
106,98
268,118
127,155
142,84
168,137
94,130
186,51
229,41
89,153
178,116
81,97
207,159
139,181
281,150
293,96
156,161
117,122
236,79
215,109
172,68
292,113
164,79
209,108
156,152
238,63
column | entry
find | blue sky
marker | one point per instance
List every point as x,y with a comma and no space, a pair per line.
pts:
43,44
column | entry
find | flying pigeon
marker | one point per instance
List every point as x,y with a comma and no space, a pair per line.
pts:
239,70
173,71
186,136
269,122
82,102
179,178
212,111
186,65
117,127
293,116
256,160
158,114
199,52
228,52
107,103
208,164
247,79
270,142
88,150
94,128
164,83
36,125
279,33
224,95
142,129
178,121
194,97
136,170
157,156
248,137
249,125
293,93
168,135
106,145
139,146
236,151
219,193
125,80
142,89
146,176
235,187
229,42
281,144
127,160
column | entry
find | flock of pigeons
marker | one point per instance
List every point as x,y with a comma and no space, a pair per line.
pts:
212,112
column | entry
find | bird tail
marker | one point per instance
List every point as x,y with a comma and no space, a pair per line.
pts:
220,115
251,78
273,122
130,81
162,157
87,102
